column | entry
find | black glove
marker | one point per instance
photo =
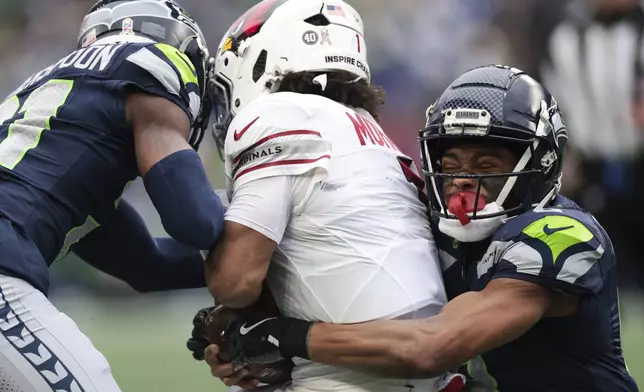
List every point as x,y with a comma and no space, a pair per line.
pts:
262,340
198,342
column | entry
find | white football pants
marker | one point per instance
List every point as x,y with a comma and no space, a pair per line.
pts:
42,349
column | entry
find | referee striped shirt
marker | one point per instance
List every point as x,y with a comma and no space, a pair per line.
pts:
595,69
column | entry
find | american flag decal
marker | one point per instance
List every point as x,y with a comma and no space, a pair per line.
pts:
335,10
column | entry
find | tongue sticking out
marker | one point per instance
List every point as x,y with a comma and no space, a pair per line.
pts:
463,203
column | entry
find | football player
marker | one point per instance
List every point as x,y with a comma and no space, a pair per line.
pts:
129,102
318,191
530,276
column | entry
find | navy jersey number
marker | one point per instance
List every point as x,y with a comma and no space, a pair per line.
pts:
39,107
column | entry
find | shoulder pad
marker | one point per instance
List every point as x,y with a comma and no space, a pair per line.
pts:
550,217
169,69
167,64
560,248
272,137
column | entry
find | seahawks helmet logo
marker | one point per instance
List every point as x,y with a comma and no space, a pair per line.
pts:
550,120
183,16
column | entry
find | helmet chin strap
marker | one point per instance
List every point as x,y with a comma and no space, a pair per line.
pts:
475,230
553,192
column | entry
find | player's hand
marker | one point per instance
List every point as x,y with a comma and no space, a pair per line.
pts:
198,341
256,340
267,339
224,371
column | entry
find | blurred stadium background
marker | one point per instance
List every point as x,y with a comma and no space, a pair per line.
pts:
415,48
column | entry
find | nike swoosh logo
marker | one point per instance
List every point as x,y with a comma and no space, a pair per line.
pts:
243,330
238,135
549,230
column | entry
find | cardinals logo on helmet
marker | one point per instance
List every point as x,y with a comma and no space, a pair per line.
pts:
250,23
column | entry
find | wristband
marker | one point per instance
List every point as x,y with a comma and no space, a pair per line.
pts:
295,342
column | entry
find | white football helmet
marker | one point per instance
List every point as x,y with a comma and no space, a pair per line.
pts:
279,36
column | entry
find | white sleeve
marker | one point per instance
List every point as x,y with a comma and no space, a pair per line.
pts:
266,204
274,138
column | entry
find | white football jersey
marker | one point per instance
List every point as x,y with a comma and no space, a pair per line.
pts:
357,246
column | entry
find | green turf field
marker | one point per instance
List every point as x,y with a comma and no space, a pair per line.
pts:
144,341
144,338
633,336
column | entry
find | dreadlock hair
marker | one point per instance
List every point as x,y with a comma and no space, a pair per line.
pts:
341,87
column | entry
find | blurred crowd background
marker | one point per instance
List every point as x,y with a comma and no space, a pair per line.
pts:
589,53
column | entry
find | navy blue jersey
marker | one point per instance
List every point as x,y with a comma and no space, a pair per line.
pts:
565,249
67,151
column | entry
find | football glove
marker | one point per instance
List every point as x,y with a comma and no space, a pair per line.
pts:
198,341
261,340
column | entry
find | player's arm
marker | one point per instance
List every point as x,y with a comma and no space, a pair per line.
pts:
124,248
274,158
172,171
554,262
469,325
256,220
550,265
161,102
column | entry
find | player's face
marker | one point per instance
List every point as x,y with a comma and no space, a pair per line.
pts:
476,159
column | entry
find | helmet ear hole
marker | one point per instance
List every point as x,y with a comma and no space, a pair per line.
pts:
260,66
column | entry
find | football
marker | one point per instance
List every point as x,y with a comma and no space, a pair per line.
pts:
271,373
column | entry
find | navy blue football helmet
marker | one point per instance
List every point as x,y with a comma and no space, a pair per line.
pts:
162,21
504,106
